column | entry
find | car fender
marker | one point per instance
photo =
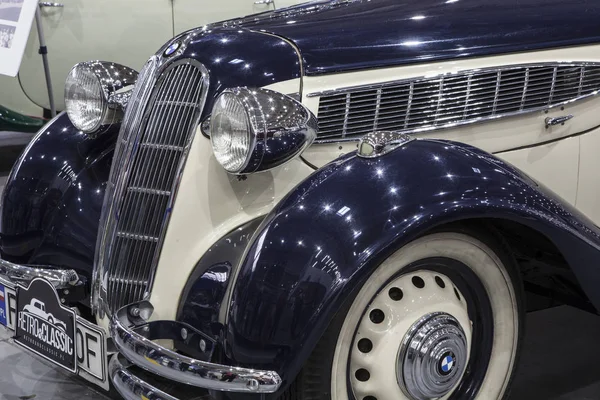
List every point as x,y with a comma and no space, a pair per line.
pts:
53,197
325,238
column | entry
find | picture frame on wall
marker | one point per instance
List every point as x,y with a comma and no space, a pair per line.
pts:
16,18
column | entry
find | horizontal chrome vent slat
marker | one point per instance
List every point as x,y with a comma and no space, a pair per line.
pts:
458,98
506,102
127,235
149,191
450,96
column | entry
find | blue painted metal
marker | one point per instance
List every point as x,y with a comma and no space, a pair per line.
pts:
342,35
322,241
204,294
238,57
52,200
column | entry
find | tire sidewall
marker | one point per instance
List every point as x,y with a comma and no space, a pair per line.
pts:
498,277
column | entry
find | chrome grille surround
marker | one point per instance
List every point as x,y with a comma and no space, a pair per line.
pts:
452,99
150,154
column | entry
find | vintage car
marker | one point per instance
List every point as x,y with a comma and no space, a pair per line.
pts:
347,199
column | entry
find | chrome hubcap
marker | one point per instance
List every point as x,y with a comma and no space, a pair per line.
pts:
432,357
413,342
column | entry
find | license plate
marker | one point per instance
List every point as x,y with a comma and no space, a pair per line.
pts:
47,328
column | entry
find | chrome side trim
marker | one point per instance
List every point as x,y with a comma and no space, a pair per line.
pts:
16,273
450,74
130,333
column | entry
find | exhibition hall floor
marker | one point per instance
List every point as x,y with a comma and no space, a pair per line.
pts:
551,367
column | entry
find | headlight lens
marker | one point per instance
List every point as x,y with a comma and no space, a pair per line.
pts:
95,94
254,130
84,100
231,133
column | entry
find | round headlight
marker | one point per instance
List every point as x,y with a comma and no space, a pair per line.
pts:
84,98
231,133
96,94
254,130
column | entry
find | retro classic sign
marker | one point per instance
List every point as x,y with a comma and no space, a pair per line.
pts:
54,332
366,186
44,326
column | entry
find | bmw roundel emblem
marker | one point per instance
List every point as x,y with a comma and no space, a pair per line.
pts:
447,363
172,48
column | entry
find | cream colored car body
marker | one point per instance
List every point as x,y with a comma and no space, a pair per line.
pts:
120,31
562,157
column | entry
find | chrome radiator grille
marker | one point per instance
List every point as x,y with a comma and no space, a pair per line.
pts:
443,101
160,122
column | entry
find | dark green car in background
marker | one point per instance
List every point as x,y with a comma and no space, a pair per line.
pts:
17,129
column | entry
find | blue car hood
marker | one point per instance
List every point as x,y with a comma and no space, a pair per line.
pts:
336,36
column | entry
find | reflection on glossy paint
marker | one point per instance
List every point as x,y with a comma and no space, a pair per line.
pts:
311,255
337,36
53,198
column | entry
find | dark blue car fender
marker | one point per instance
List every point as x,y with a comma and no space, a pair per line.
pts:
53,198
327,236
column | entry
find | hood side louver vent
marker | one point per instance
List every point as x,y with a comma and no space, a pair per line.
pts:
422,104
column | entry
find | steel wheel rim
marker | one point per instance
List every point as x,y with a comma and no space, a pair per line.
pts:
479,274
433,318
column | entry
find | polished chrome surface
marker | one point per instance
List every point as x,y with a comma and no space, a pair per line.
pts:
152,148
130,386
121,98
281,127
448,100
130,338
50,4
16,273
551,121
432,358
116,81
378,143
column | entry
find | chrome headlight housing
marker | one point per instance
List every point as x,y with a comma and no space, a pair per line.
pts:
96,94
254,130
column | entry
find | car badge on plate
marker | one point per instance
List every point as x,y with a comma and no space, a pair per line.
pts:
44,326
172,49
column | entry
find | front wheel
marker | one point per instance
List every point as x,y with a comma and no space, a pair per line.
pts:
442,318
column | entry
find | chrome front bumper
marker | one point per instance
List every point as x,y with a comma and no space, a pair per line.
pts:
133,338
23,274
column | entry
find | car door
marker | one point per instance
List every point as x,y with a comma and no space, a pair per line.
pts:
127,32
188,14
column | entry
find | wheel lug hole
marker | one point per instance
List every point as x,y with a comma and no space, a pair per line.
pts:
440,282
396,294
377,316
457,294
418,282
365,345
370,398
362,375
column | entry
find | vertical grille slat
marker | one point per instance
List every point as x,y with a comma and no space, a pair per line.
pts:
137,209
448,100
156,132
